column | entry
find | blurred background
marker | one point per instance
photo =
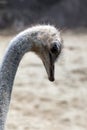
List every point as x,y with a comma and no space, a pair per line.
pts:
36,103
63,13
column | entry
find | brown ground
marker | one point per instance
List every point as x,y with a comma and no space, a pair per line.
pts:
38,104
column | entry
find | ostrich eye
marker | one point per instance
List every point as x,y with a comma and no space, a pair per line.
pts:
55,48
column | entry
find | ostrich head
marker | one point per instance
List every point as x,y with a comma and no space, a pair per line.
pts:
47,45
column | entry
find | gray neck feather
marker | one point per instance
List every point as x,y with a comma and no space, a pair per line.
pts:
14,53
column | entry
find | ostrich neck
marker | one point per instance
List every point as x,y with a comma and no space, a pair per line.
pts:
14,53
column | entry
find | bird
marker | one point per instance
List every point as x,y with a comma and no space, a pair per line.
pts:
45,41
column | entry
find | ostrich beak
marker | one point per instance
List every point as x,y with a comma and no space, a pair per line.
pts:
51,76
49,66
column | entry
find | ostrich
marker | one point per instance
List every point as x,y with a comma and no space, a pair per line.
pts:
45,41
